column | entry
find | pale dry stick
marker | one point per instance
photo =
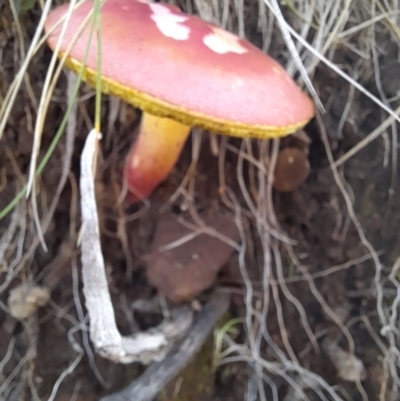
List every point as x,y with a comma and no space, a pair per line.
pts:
103,329
274,6
143,347
83,326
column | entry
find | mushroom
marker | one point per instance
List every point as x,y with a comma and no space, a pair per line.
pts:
181,72
291,169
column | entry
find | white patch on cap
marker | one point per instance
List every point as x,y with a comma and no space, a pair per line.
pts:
159,9
222,42
168,23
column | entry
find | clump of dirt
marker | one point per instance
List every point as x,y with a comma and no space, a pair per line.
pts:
181,267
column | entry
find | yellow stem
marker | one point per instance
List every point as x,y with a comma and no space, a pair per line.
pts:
154,154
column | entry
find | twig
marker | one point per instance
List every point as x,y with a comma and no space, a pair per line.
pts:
157,375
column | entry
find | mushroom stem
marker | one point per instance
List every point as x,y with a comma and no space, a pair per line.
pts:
154,154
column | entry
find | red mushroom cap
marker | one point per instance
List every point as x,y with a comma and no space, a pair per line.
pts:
176,65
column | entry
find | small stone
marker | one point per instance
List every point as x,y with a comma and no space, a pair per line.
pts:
25,299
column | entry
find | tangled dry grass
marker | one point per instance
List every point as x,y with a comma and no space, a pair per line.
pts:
319,42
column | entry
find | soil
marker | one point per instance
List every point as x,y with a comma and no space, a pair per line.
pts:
314,215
